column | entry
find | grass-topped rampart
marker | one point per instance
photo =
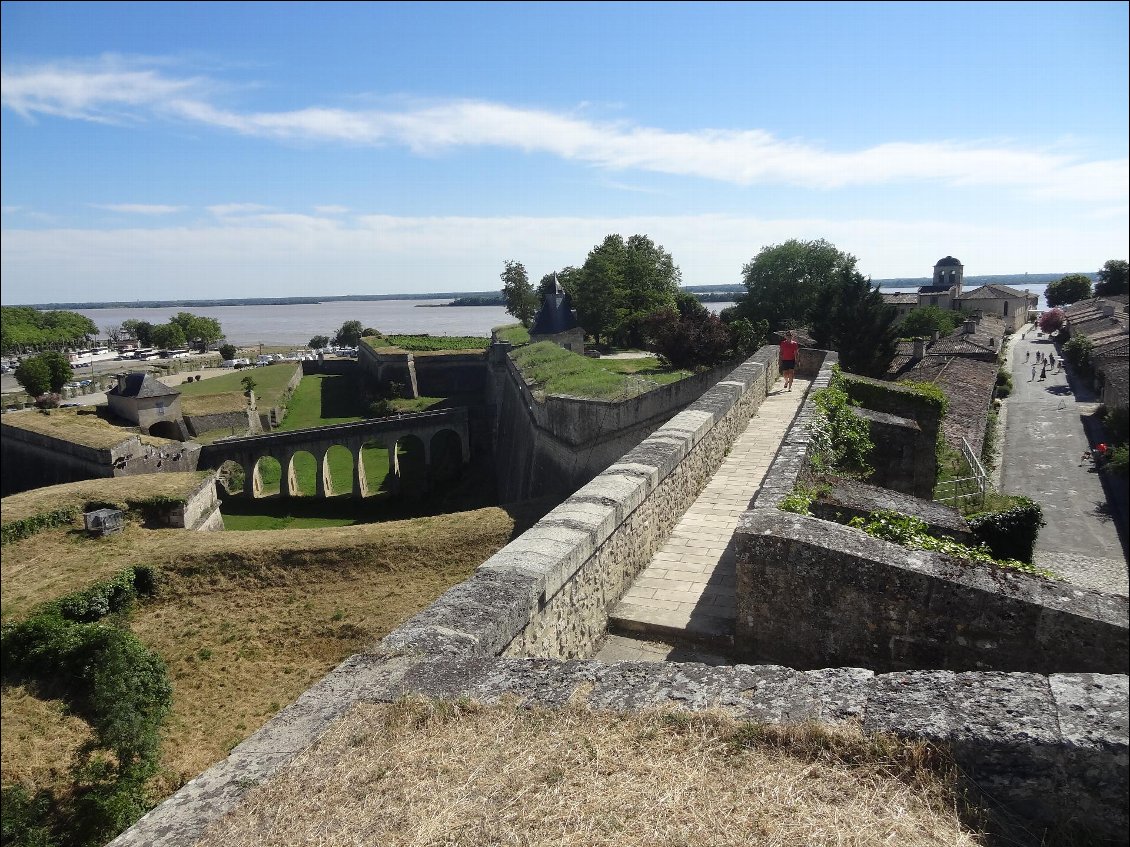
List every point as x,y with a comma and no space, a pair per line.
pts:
552,369
425,343
271,383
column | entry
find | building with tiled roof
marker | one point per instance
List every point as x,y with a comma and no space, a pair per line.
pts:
1010,304
1105,322
147,402
964,366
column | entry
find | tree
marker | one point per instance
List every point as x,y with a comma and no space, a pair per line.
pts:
1113,278
689,340
198,330
1052,320
1069,289
59,369
318,342
349,335
926,320
783,281
141,330
168,336
34,375
521,299
248,383
23,328
227,352
620,285
851,318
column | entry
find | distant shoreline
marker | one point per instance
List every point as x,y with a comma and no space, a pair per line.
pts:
1014,280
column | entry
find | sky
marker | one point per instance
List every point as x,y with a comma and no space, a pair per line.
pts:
207,150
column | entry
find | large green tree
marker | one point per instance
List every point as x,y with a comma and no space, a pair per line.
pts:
851,318
140,330
34,375
168,336
23,329
784,281
1069,289
349,334
521,300
199,331
1113,278
620,285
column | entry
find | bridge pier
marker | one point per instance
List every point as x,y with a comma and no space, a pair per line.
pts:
288,484
360,484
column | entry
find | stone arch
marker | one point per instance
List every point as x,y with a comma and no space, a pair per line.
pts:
341,464
268,476
166,429
375,461
304,468
410,466
229,479
446,456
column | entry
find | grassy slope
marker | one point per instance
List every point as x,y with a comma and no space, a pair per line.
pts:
555,370
245,622
270,383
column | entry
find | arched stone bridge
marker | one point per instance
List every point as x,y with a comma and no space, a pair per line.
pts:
437,432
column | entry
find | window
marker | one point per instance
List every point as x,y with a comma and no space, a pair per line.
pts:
1006,308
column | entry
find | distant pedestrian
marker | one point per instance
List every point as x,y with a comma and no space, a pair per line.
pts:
789,347
1053,362
1033,373
1027,354
1043,372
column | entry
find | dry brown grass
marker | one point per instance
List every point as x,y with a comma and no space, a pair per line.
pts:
117,490
38,738
67,424
247,621
213,404
415,773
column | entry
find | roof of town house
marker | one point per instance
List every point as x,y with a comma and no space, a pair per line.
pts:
996,291
1092,324
1116,377
1110,346
140,385
982,344
901,298
555,315
948,261
968,384
934,289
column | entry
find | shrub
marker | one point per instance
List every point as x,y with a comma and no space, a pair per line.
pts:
1116,422
27,527
108,677
227,352
913,533
1119,461
1077,351
381,408
1003,385
1010,533
1052,320
841,440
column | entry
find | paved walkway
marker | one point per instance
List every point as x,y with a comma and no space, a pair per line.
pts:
687,591
1049,423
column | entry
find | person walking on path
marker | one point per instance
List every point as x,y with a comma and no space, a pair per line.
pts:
789,347
1033,373
1027,353
1044,372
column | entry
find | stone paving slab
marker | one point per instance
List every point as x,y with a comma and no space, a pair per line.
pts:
687,591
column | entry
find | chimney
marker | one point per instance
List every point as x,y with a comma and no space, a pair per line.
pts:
970,326
936,335
919,348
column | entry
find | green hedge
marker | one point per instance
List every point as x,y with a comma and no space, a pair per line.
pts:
27,527
1010,533
72,648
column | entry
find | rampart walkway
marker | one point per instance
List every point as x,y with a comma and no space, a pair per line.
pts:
686,593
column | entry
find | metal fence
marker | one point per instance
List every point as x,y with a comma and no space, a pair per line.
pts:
971,487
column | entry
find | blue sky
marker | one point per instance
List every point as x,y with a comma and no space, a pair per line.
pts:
160,150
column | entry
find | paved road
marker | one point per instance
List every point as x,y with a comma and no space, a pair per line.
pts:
1049,423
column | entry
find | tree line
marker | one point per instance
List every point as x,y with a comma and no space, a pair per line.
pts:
627,293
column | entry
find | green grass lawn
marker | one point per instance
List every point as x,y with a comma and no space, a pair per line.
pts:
555,370
516,334
270,383
321,400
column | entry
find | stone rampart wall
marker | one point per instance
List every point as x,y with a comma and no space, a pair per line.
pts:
33,460
241,422
1050,750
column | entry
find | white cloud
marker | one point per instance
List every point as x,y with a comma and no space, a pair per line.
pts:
224,210
109,90
282,254
331,210
138,208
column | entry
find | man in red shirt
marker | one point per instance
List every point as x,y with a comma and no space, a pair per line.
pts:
789,347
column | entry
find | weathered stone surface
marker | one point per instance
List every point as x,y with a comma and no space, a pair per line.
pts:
842,499
817,594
